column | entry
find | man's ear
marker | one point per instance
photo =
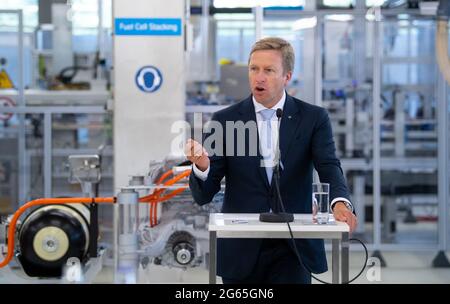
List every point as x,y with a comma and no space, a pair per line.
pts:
288,77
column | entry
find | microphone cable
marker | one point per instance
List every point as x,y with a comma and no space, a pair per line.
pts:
277,176
279,114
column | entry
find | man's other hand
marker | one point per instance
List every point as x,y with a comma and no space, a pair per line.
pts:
343,214
196,154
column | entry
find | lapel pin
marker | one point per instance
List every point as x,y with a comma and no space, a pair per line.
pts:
289,117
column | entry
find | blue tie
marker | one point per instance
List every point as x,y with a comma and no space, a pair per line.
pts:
267,115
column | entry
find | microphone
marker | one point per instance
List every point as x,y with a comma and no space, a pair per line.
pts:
279,113
275,216
277,159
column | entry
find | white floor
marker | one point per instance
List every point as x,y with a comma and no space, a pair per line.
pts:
402,267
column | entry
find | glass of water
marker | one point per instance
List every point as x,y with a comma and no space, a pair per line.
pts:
320,203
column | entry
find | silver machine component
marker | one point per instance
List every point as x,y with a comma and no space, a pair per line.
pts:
180,249
179,239
127,197
85,170
126,241
50,235
183,254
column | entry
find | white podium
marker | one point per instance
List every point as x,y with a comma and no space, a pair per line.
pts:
247,225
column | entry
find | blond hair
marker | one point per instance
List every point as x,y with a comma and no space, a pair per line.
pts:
278,44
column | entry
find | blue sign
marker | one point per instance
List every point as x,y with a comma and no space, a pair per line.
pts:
148,26
148,79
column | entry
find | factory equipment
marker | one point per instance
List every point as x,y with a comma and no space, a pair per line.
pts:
59,230
410,194
171,229
8,175
76,66
177,234
5,80
443,60
173,234
50,235
52,239
408,127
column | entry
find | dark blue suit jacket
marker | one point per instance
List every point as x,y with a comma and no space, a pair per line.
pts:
306,140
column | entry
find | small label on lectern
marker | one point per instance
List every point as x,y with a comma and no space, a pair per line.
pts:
239,221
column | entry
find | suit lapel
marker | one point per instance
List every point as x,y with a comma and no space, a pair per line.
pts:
290,121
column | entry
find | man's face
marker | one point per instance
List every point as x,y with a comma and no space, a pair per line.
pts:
266,76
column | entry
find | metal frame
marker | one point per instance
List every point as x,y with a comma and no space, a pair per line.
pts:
22,109
376,121
21,101
376,166
48,151
318,61
378,163
443,164
259,19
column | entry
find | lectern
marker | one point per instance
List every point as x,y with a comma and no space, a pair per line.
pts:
247,225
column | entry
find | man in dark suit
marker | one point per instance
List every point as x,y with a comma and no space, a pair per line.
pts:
306,141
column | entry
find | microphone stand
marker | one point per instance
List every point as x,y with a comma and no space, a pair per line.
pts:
275,216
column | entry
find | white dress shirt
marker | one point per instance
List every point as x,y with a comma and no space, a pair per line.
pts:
268,150
264,147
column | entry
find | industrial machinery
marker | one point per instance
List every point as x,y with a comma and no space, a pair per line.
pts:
50,235
62,230
59,233
156,220
170,230
178,235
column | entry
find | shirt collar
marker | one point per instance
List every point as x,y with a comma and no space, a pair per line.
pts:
279,105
